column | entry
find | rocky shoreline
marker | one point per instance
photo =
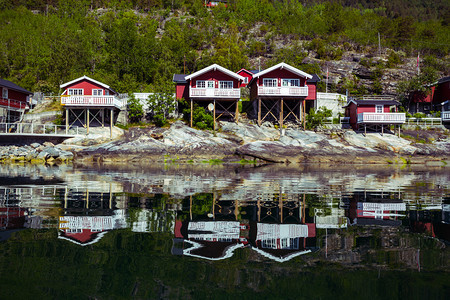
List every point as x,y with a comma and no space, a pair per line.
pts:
241,143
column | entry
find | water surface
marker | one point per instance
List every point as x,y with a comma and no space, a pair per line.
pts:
200,231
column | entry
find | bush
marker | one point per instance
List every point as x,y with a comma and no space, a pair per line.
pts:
201,119
419,115
317,118
135,110
161,106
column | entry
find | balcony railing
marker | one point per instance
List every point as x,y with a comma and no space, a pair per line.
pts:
92,101
300,91
212,93
382,118
445,116
13,104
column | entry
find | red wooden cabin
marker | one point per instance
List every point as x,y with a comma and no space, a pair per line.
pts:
373,112
425,102
86,101
214,85
248,76
281,92
13,101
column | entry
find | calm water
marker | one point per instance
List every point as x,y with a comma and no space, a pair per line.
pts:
200,231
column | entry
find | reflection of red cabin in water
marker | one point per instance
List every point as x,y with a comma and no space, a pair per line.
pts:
12,217
214,240
86,230
282,242
376,213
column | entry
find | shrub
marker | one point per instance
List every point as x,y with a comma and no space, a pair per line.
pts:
317,118
201,119
135,110
161,106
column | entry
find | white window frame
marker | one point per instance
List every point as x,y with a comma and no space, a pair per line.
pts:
245,80
204,84
225,85
75,92
97,92
290,82
270,82
4,93
377,107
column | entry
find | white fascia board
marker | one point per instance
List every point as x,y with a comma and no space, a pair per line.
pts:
87,78
215,67
283,66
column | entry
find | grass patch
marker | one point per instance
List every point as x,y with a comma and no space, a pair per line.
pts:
128,126
213,161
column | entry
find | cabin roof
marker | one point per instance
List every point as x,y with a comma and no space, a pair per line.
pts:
8,84
215,67
284,66
372,102
246,71
315,78
84,77
179,78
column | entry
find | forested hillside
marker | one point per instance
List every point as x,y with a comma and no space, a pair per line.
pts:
138,45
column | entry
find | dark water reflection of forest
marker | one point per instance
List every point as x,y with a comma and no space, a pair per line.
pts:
201,231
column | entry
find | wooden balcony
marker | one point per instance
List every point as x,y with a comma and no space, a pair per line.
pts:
445,116
12,104
92,101
291,91
381,118
214,93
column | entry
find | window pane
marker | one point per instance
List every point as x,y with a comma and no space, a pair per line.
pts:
210,84
200,83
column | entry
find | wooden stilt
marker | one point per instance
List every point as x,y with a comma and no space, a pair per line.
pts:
214,114
87,120
304,115
192,109
258,204
103,117
259,111
399,127
67,120
281,115
382,130
190,207
236,116
365,131
111,123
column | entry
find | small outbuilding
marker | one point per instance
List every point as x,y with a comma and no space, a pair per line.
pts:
14,101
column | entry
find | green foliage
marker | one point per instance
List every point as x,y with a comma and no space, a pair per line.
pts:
419,115
135,110
161,104
393,59
317,118
201,118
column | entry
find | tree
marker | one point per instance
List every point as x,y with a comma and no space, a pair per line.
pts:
317,118
135,109
162,104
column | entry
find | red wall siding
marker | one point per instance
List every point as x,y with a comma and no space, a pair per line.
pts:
442,93
312,92
245,74
351,112
253,91
365,108
87,86
215,76
281,73
16,95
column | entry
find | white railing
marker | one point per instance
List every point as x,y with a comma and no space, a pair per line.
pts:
424,121
383,118
13,104
445,116
211,93
301,91
40,129
94,101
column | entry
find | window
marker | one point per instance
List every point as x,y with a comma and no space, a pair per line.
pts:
226,84
245,80
5,93
201,84
290,82
75,92
97,92
270,82
379,109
